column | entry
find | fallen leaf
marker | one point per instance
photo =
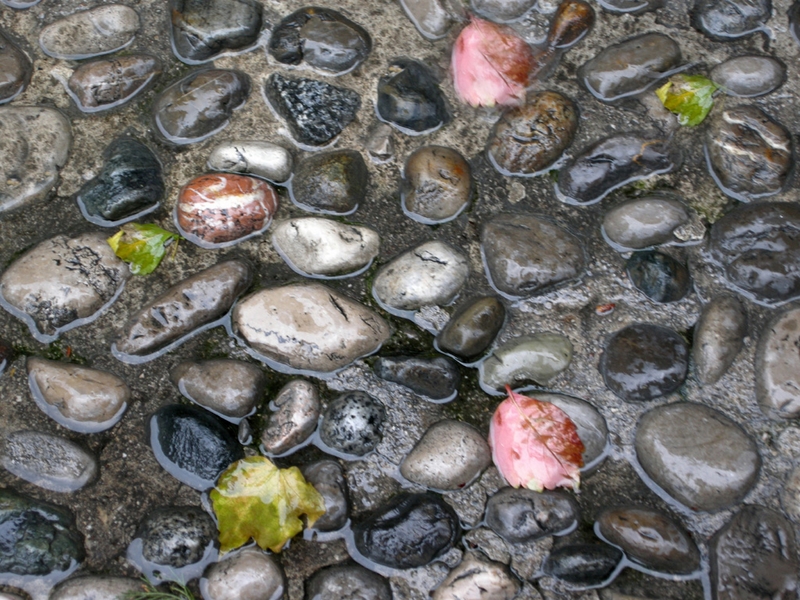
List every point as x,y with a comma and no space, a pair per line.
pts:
142,246
255,499
535,444
688,96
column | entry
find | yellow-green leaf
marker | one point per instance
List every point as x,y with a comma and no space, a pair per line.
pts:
255,499
688,96
142,246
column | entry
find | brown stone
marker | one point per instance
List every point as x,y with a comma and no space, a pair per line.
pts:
105,83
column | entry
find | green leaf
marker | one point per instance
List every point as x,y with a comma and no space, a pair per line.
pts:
689,97
142,246
255,499
177,591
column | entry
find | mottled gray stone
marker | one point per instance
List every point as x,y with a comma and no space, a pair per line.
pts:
777,367
718,337
88,33
644,222
352,424
230,388
176,536
296,411
749,76
349,581
327,477
95,587
246,574
532,358
477,578
520,515
252,157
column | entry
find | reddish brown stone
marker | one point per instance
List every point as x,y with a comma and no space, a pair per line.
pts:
220,208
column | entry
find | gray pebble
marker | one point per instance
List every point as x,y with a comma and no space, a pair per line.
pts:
502,11
89,33
723,20
520,515
246,574
252,157
352,425
532,358
644,222
16,69
790,495
332,182
478,578
472,328
95,587
777,367
202,30
229,388
349,581
436,379
432,18
749,76
107,83
327,477
718,337
296,412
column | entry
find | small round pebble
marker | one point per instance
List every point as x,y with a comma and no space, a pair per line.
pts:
296,410
252,157
658,276
95,587
330,182
347,581
409,98
328,478
520,515
84,34
246,574
436,379
536,358
352,425
472,328
718,337
229,388
644,222
177,536
436,185
777,366
749,76
583,564
480,579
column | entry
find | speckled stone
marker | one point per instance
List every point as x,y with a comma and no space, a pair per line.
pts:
749,76
252,157
472,328
718,337
480,579
296,411
84,34
434,378
348,581
110,82
534,358
644,222
436,185
332,182
15,69
177,536
229,388
246,574
409,98
203,29
352,425
328,478
777,368
520,515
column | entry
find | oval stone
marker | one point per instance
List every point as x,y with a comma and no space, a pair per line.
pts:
723,20
16,69
246,574
409,98
478,578
352,425
436,379
108,83
472,328
583,564
534,358
331,182
252,157
697,455
520,515
228,388
296,411
658,276
777,367
100,30
749,76
718,338
328,478
436,185
347,581
177,536
203,29
644,222
89,587
308,327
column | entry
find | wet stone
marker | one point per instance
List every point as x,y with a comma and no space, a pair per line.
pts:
6,355
502,11
192,445
697,455
92,587
229,388
202,29
449,456
434,378
726,19
528,139
778,366
754,556
296,411
749,76
200,105
718,338
472,328
107,83
40,537
308,327
327,477
611,163
432,273
631,6
644,222
49,461
478,578
88,33
319,247
63,282
409,98
583,564
651,539
190,304
349,581
436,185
246,574
750,155
315,111
35,142
224,209
410,531
16,69
536,358
176,536
431,17
520,515
130,183
379,142
590,423
352,425
571,22
331,182
80,398
252,157
794,21
321,38
658,276
644,361
630,67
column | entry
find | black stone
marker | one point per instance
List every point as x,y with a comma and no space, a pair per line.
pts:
327,477
315,111
472,328
177,536
522,515
583,564
353,424
436,378
330,182
130,182
201,29
658,276
192,444
409,97
726,19
410,531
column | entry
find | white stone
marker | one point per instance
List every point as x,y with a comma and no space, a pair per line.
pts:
263,159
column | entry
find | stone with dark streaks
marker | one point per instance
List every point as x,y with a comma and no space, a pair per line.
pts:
110,82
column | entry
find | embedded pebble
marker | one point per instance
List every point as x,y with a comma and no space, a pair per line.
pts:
502,11
633,7
525,255
449,456
49,461
129,184
754,556
434,378
697,455
296,411
252,157
107,83
315,111
571,22
477,578
202,29
630,67
520,515
319,247
658,276
379,142
472,328
644,222
583,564
308,326
723,20
331,182
536,358
749,76
327,477
95,587
410,531
16,69
224,208
750,155
432,273
79,398
436,185
644,361
88,33
590,423
718,338
200,105
611,163
192,445
352,425
246,574
651,539
409,98
777,366
188,305
794,21
347,581
62,283
177,536
35,143
229,388
528,139
431,17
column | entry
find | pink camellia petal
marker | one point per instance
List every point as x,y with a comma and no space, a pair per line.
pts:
491,65
535,444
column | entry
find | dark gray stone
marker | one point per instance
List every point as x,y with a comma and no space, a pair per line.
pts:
353,424
409,98
331,182
520,515
327,477
15,69
718,337
583,564
350,581
177,536
726,19
107,83
658,276
434,378
472,328
202,29
749,76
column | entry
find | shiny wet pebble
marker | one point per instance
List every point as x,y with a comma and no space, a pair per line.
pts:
434,378
331,182
436,185
520,515
478,578
230,388
88,33
749,76
409,98
95,587
718,337
110,82
501,11
727,19
202,29
432,18
352,425
583,564
252,157
590,423
658,276
177,536
778,366
16,69
472,328
536,358
328,478
347,581
644,222
246,574
294,417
